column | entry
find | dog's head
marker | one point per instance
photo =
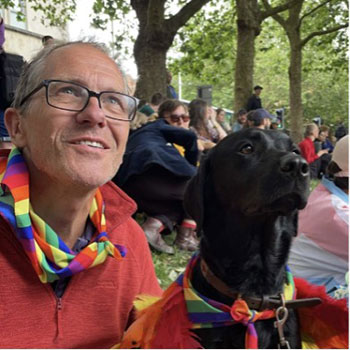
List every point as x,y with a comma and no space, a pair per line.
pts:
253,172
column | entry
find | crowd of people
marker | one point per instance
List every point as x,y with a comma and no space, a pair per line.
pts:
73,172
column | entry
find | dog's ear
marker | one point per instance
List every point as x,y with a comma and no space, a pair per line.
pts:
194,195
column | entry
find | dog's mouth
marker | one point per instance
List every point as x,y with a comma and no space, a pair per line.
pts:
280,206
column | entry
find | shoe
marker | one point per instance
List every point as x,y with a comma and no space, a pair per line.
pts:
186,239
152,228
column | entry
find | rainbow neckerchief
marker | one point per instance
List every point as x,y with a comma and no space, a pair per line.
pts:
206,313
49,255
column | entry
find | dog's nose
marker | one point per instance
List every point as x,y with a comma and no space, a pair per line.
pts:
294,165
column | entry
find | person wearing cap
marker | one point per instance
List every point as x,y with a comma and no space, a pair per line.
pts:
259,118
254,101
320,251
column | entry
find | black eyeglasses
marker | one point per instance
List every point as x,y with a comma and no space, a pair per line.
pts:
73,97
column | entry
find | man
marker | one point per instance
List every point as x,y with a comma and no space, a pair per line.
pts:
72,258
317,161
241,120
170,90
259,118
254,101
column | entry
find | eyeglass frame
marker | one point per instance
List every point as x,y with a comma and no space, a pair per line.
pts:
45,83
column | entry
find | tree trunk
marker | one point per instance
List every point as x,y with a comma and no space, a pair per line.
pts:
150,61
156,35
295,102
248,27
244,69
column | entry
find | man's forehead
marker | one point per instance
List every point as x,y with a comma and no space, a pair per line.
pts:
80,51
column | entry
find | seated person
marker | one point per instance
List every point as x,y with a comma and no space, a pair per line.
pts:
317,161
241,120
323,139
199,123
72,258
259,118
155,175
320,252
220,118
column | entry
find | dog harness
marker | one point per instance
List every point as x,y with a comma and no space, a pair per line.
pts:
49,255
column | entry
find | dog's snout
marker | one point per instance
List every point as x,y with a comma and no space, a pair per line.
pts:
294,165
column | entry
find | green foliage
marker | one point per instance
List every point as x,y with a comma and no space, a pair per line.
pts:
54,13
208,45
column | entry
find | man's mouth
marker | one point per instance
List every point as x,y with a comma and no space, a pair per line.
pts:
94,144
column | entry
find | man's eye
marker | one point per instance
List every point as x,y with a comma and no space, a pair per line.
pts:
69,90
246,149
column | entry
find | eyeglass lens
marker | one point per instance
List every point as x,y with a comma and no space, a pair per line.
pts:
74,97
175,118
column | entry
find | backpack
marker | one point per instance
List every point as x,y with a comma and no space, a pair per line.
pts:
10,70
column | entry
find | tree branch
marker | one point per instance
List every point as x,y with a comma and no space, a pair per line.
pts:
186,12
313,10
272,11
322,32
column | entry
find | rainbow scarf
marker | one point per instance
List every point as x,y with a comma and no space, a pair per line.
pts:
49,255
206,313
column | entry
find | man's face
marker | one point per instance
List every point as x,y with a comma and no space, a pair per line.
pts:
80,148
242,119
257,92
179,117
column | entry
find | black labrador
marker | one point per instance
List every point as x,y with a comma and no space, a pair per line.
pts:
245,200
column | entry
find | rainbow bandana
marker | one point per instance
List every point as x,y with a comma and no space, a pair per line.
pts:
49,255
208,313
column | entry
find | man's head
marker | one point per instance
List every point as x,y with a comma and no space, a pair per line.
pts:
156,100
259,118
47,40
311,131
257,90
169,77
242,116
67,130
175,113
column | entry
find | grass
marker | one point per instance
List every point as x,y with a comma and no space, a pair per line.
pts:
168,267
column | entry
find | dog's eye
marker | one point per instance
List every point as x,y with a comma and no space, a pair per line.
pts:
296,151
246,149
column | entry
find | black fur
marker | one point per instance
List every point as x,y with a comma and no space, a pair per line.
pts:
245,200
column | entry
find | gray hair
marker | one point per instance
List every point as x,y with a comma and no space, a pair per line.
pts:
32,74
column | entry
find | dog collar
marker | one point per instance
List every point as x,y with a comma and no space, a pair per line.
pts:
266,302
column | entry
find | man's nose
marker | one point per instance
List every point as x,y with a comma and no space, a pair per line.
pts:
92,113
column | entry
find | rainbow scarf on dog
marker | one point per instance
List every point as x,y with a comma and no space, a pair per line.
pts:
49,255
207,313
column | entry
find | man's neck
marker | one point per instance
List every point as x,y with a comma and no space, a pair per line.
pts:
311,137
65,211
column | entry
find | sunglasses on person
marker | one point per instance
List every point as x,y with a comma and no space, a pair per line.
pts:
176,118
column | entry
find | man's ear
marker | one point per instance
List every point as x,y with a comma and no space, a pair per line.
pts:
14,125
